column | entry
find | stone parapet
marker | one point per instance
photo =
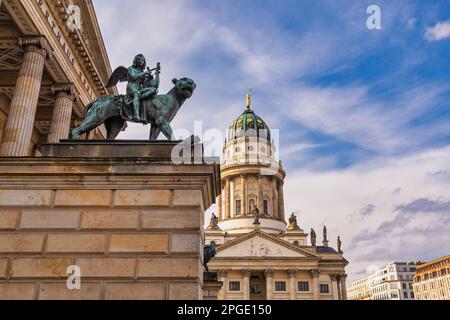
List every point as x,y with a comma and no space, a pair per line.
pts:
134,226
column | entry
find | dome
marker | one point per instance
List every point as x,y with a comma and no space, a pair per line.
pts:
250,125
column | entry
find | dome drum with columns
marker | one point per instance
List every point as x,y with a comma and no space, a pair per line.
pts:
251,178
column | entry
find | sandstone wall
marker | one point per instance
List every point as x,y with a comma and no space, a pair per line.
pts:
133,236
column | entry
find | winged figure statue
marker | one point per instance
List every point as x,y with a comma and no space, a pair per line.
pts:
141,104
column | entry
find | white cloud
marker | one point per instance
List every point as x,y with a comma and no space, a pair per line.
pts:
339,199
178,32
440,31
350,114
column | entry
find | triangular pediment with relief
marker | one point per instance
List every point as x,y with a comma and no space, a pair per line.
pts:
261,245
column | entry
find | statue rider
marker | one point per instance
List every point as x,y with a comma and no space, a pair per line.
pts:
137,77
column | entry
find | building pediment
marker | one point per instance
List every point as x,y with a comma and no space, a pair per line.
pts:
258,244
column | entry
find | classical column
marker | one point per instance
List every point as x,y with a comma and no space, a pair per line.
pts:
338,285
334,286
219,206
274,197
246,284
269,284
232,199
344,287
293,283
62,112
281,201
315,286
243,197
227,198
22,111
223,278
260,196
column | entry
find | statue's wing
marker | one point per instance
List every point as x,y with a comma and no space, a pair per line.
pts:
119,75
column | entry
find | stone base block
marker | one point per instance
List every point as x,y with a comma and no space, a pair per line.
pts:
131,228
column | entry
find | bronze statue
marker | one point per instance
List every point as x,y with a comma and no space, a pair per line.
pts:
313,238
157,109
136,76
325,233
339,245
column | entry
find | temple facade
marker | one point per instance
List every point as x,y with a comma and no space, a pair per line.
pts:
259,255
53,62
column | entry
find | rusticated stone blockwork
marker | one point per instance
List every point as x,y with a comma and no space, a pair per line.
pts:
134,226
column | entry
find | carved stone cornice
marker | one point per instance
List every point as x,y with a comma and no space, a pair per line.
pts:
36,44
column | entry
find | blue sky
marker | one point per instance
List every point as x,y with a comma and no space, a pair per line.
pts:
364,115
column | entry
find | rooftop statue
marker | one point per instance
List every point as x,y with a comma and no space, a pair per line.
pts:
339,245
293,225
213,224
141,104
313,237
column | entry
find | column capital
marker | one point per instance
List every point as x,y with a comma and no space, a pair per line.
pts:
334,277
246,272
315,273
269,272
37,44
292,272
222,273
66,89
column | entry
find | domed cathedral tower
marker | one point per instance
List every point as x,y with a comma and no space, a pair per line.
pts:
258,256
252,179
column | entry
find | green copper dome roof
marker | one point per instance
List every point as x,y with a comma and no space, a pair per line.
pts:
249,124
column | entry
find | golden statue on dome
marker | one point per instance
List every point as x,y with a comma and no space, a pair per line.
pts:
249,98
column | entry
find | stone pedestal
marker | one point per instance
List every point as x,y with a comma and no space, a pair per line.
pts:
211,286
123,213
